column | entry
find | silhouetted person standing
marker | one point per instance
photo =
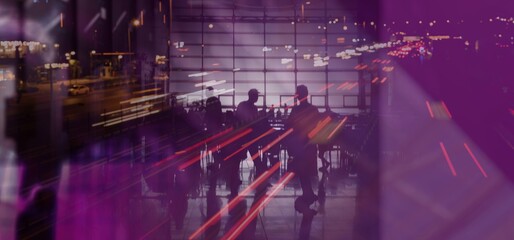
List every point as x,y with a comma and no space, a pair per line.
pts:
248,115
303,119
214,123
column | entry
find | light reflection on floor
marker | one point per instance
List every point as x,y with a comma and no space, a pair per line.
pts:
97,202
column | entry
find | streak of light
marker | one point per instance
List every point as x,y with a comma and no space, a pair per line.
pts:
145,91
326,87
223,91
300,100
52,24
272,143
198,74
118,22
318,127
342,85
197,93
375,80
450,164
143,98
160,6
337,128
249,143
429,109
383,80
352,85
446,109
142,17
190,148
500,132
92,22
222,145
132,109
62,20
254,211
289,99
230,205
475,160
121,119
146,235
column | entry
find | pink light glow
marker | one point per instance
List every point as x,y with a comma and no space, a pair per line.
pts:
222,145
236,230
429,109
249,143
326,87
271,144
318,128
193,147
446,109
450,164
337,127
230,205
475,160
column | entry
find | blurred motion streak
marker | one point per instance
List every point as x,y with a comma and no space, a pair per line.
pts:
320,126
446,109
190,148
230,205
337,128
250,143
236,230
222,145
475,160
450,164
430,109
272,143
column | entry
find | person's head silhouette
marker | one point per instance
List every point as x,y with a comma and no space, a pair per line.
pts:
253,95
301,93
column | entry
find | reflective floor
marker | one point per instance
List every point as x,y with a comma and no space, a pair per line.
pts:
115,198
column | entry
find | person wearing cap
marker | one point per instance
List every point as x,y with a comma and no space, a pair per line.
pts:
303,119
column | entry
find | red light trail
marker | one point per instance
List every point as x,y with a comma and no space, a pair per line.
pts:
230,205
271,144
337,128
475,160
446,109
250,143
236,230
450,164
429,109
222,145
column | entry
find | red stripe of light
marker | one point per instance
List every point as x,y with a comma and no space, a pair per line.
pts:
222,145
193,147
475,160
337,127
318,128
271,144
446,109
326,87
342,85
236,230
450,164
429,109
250,143
230,205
